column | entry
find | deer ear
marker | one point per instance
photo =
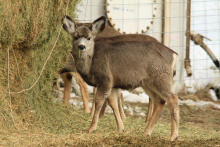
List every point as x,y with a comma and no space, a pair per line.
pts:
98,26
68,24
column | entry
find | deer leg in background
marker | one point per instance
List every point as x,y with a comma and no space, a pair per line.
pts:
157,108
150,110
83,89
112,102
67,79
121,104
93,102
102,112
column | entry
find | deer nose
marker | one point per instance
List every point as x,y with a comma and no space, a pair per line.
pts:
81,47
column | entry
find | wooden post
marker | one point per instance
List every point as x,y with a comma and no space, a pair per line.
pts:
187,59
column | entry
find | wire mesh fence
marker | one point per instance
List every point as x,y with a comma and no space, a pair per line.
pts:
166,21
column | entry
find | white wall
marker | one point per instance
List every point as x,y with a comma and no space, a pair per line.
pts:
90,10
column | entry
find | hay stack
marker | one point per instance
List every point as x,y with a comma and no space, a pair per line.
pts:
29,29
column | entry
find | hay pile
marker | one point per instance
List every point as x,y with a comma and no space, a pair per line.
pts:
29,29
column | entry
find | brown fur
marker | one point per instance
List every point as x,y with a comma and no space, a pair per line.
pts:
126,61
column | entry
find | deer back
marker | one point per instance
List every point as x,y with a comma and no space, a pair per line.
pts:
131,59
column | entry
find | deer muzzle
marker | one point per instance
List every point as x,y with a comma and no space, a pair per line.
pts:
81,47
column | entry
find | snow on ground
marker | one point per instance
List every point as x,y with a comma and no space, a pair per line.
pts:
213,95
76,101
130,97
199,103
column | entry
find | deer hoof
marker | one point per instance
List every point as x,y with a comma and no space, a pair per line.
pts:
173,138
91,131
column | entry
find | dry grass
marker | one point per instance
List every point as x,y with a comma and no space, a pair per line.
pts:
106,135
29,29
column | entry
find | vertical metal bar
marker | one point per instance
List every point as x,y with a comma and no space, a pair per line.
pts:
187,59
166,23
163,21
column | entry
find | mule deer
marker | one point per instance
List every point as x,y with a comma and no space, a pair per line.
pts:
127,62
70,70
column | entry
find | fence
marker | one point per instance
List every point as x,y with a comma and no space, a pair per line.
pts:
166,21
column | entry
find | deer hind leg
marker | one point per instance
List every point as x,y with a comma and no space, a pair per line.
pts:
67,79
113,103
172,101
150,110
165,93
158,105
83,90
174,109
121,104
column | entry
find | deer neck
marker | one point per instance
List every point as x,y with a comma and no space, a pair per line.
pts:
83,63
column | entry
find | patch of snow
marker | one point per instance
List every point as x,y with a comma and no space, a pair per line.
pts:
90,88
73,102
125,107
213,95
72,94
130,97
198,103
130,110
142,114
90,105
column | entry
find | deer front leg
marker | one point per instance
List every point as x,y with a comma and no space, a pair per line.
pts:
101,114
100,98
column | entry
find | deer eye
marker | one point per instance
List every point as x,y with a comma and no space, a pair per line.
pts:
76,38
88,38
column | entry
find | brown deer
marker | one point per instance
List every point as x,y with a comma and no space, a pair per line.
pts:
70,70
127,62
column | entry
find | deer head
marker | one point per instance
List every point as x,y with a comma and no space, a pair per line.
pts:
83,37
